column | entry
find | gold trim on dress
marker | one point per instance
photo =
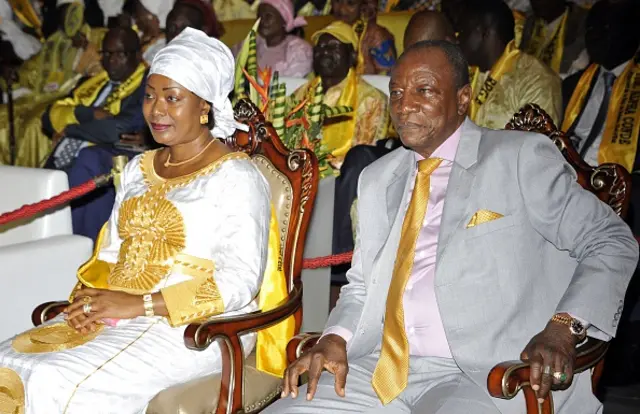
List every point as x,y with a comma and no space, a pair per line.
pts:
52,338
11,392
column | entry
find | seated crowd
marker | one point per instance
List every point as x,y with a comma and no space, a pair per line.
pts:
417,146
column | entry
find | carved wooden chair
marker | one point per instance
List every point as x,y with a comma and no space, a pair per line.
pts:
293,179
611,183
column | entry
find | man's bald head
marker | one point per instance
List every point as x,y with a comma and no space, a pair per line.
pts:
428,25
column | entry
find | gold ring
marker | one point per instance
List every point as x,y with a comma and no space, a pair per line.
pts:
86,299
546,370
86,308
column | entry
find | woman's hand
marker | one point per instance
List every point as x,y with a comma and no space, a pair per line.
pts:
104,304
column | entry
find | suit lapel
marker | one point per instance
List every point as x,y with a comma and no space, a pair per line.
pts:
459,186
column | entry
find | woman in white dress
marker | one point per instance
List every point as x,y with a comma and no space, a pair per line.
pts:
187,240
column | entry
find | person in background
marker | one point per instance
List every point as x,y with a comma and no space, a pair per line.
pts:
504,78
89,213
378,44
151,18
554,33
601,115
235,9
24,45
277,48
428,25
102,108
70,53
335,62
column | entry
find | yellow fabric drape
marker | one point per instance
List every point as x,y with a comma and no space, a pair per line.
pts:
550,50
338,136
620,136
502,66
62,113
271,345
519,20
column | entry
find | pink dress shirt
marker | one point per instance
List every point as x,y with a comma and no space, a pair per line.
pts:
422,321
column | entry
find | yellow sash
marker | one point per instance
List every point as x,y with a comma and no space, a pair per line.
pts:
503,65
62,113
620,137
549,51
338,136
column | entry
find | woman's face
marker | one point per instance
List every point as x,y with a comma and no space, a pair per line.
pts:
271,22
172,111
346,10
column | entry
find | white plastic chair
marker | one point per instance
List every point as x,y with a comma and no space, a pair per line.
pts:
39,256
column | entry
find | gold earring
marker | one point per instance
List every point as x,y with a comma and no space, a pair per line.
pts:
204,119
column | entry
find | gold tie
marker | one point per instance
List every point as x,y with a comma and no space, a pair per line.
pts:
392,371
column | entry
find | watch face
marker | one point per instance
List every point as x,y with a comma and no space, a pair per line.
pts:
576,327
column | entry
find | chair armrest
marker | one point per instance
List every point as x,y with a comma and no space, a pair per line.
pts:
507,378
227,330
300,344
47,311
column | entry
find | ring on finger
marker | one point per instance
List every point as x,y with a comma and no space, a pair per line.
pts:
86,299
546,370
560,376
86,308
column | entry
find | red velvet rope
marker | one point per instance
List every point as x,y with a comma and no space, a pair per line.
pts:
327,261
30,210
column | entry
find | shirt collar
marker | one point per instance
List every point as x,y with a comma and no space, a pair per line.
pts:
448,149
619,69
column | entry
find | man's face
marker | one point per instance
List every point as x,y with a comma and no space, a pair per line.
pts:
117,59
271,22
425,105
331,57
470,39
611,34
346,10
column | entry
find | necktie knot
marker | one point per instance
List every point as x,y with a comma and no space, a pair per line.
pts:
429,165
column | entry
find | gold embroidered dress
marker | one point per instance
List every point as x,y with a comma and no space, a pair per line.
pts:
202,241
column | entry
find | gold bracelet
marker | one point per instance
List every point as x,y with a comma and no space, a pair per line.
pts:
148,305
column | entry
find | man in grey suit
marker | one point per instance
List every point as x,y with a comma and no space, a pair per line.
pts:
473,246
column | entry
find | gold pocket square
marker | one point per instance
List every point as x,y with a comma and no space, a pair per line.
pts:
483,216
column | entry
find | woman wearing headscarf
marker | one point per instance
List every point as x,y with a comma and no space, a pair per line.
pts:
283,52
187,240
151,18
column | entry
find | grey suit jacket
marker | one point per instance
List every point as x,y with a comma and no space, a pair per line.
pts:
557,249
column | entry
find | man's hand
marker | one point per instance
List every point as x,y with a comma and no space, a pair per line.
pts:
99,113
551,351
329,353
104,304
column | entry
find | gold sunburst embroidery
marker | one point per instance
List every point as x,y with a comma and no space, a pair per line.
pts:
152,232
207,293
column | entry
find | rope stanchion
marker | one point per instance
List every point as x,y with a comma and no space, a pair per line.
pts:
327,261
31,210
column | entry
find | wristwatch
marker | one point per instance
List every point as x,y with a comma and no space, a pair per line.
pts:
575,326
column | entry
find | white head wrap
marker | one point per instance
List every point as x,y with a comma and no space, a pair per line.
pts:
160,8
205,66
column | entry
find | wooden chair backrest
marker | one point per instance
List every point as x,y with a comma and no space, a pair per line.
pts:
611,183
293,179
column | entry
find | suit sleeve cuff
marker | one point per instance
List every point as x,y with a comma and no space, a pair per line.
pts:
592,331
338,330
